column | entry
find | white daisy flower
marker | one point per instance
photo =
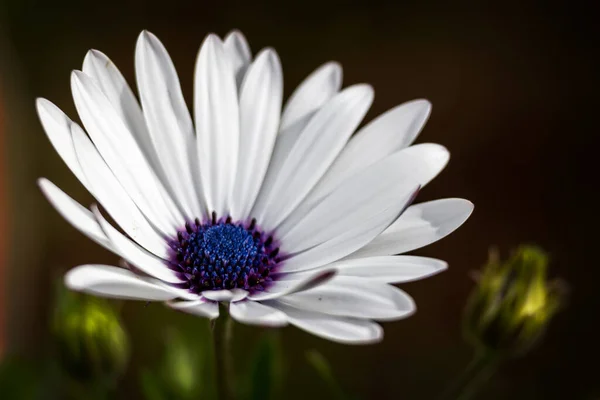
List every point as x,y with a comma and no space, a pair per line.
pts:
286,217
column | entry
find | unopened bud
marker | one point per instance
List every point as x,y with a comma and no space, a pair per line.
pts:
512,303
92,343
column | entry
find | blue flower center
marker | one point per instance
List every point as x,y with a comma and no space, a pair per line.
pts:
221,254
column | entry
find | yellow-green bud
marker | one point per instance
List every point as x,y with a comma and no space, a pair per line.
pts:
92,344
512,303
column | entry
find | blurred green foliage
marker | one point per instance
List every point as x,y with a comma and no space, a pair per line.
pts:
91,341
325,372
19,380
264,379
512,303
87,355
186,370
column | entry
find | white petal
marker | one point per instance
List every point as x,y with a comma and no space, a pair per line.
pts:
312,94
348,242
181,293
260,107
108,281
390,269
314,151
77,215
225,295
385,135
58,129
420,164
358,199
169,122
431,160
237,49
281,150
283,287
419,226
145,261
110,194
112,83
201,308
120,151
337,329
354,297
315,91
217,123
253,313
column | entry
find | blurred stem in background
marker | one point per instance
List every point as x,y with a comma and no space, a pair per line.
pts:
323,369
186,371
481,368
265,377
506,315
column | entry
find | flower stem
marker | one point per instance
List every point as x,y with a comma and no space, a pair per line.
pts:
475,375
223,337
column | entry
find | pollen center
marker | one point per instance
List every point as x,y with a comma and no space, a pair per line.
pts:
221,254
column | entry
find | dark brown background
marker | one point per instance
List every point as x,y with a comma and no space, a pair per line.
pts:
512,93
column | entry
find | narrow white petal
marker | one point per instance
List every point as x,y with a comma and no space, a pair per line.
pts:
225,295
180,293
419,164
432,159
109,281
385,135
390,269
312,94
200,308
112,83
419,226
120,151
143,260
348,242
110,194
217,123
77,215
283,287
238,50
314,151
337,329
253,313
281,150
58,129
169,122
260,107
354,297
379,187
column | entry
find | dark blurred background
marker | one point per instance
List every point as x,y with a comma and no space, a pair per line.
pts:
512,93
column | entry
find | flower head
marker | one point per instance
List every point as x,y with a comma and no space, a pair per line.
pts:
275,210
512,303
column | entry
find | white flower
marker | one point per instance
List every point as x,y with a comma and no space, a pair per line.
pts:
281,215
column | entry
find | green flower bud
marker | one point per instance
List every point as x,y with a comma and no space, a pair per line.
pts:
512,303
92,344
